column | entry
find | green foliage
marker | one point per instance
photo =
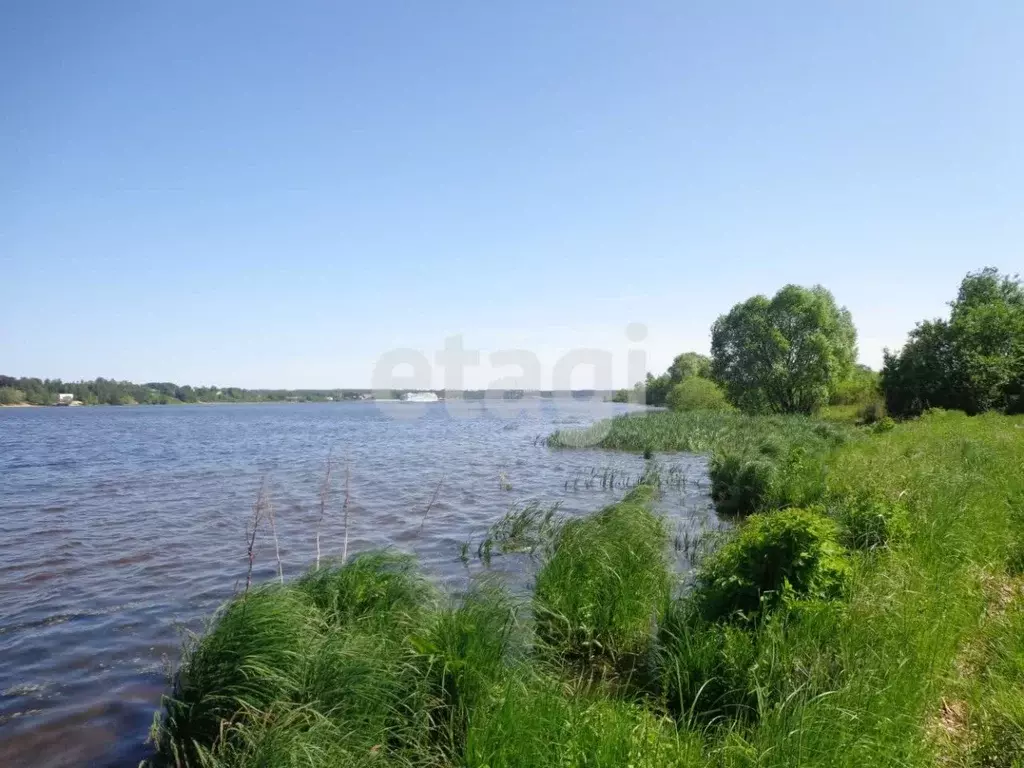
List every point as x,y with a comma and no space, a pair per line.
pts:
460,658
873,412
743,484
534,721
860,387
330,652
687,365
11,396
361,664
868,521
703,432
606,578
372,587
621,396
789,551
656,389
703,668
758,462
787,354
973,362
696,394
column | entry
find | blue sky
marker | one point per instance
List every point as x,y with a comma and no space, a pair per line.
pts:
275,194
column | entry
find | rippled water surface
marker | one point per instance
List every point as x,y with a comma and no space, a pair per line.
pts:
121,526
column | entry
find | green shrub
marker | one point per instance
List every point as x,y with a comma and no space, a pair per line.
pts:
873,412
742,485
883,425
606,579
11,396
860,387
791,550
869,522
697,394
775,476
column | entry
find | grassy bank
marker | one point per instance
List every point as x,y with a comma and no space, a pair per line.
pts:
757,462
878,622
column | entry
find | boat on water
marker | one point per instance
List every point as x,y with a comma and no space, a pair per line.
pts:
419,397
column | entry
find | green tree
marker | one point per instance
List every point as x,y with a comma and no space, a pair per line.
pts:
689,364
11,396
695,393
972,362
656,389
786,354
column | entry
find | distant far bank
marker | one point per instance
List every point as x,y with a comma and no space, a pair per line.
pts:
27,392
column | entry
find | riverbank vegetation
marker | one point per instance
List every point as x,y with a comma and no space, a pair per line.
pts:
879,625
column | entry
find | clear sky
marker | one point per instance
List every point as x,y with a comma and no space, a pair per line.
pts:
275,194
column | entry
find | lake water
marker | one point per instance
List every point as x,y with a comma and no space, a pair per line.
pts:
121,526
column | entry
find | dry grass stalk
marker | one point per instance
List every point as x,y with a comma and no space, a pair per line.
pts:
251,530
325,493
268,514
433,500
344,512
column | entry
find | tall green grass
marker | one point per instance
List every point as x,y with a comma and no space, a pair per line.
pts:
608,575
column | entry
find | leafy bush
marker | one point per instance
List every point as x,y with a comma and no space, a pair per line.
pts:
869,522
793,550
606,579
11,396
883,425
655,389
872,412
697,394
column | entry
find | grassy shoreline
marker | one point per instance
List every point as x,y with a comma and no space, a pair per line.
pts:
866,610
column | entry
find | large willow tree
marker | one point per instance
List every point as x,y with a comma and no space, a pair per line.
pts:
786,354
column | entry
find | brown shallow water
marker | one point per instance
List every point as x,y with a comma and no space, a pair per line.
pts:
123,526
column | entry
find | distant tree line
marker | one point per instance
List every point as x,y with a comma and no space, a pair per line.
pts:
110,392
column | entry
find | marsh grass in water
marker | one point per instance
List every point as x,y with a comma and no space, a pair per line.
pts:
757,462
